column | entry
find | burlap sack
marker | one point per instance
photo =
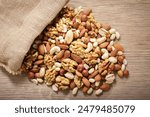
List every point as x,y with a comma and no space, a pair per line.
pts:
21,21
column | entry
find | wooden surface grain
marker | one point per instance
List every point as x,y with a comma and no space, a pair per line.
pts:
132,19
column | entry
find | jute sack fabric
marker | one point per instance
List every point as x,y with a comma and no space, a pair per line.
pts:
21,21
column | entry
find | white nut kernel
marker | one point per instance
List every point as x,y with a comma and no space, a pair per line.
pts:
54,88
34,81
120,53
89,47
98,92
93,40
112,31
105,55
75,91
91,71
54,49
117,35
40,80
101,40
125,62
112,59
111,43
86,66
95,44
57,64
123,67
57,68
90,90
69,37
69,75
97,83
42,72
113,36
91,80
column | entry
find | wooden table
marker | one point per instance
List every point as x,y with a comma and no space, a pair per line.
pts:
132,19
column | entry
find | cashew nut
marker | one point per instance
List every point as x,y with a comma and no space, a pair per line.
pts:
105,55
89,47
54,49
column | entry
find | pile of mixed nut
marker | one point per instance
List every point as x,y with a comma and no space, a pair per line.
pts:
76,52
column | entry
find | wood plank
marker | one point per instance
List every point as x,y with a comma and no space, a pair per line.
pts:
132,20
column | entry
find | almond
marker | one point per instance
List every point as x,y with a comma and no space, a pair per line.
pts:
114,52
41,49
106,27
63,46
105,87
85,89
85,73
69,37
72,85
76,58
39,62
37,75
80,67
48,47
79,74
83,32
93,74
97,77
88,26
66,54
60,54
104,45
118,46
86,82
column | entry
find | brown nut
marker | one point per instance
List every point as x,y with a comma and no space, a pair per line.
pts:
76,25
117,67
72,85
80,67
97,77
85,73
105,87
83,18
30,75
126,73
39,62
60,54
85,89
63,46
48,47
76,58
93,74
66,54
37,75
120,59
86,82
62,72
114,52
41,49
83,32
88,26
120,73
106,27
104,45
118,46
79,74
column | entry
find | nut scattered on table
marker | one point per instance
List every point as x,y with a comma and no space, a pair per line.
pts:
76,52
